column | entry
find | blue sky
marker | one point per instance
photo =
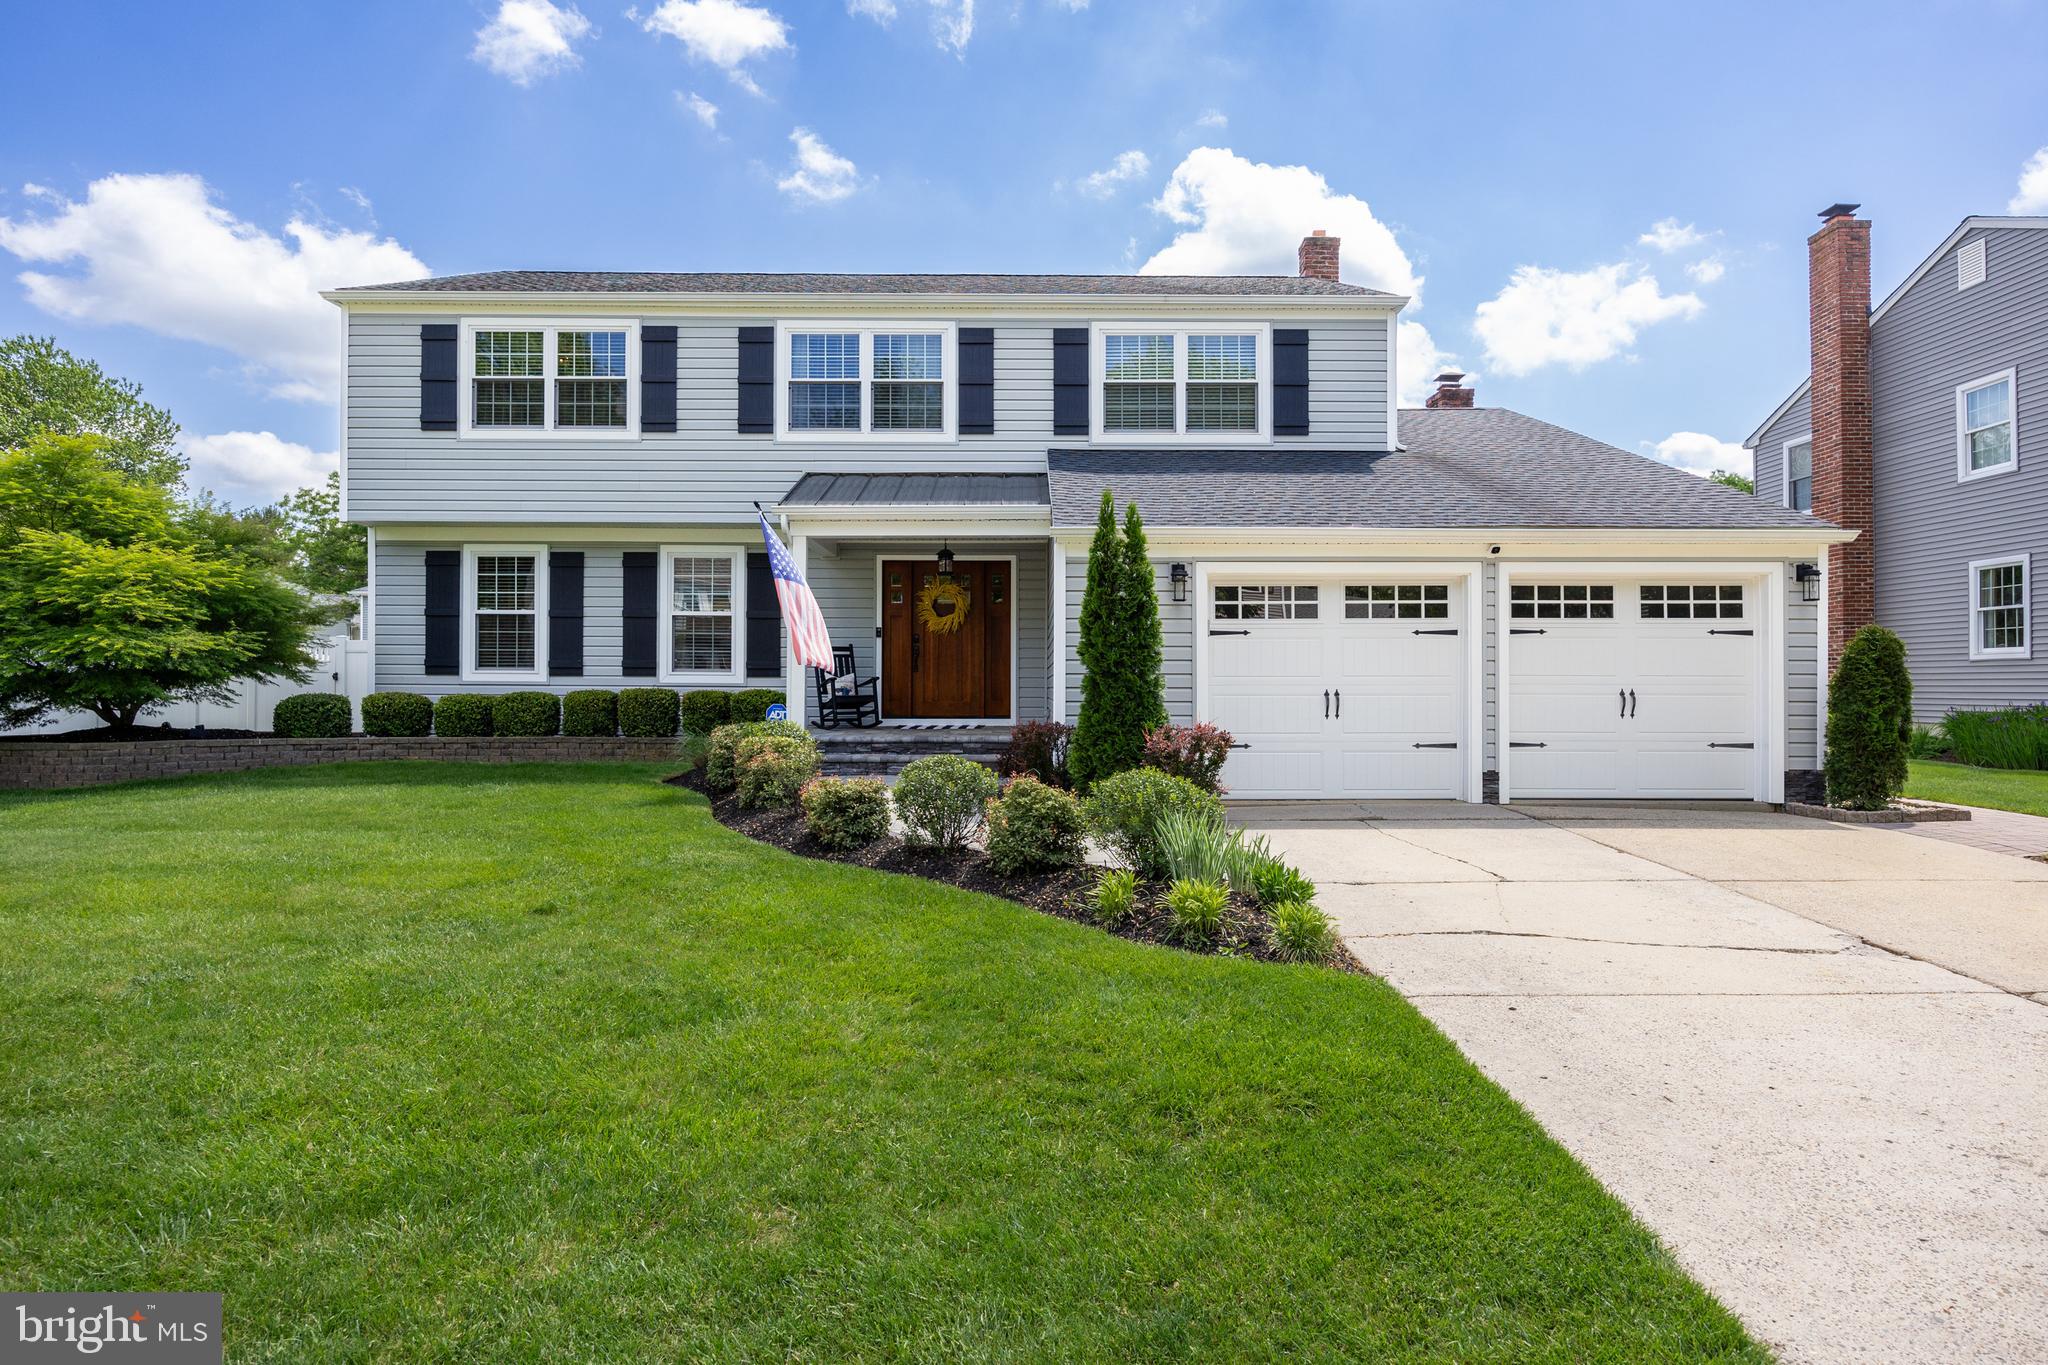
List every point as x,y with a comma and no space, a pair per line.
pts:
176,181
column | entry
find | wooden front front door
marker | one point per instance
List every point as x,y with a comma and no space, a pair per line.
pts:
932,668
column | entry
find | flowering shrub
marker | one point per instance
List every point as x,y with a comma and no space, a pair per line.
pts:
1196,752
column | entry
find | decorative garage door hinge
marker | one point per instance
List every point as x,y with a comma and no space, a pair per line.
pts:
1452,631
1214,631
1527,630
1445,744
1527,744
1731,632
1715,744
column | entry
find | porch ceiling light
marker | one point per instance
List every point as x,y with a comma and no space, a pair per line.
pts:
1179,574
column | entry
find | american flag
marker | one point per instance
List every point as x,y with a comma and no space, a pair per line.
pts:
809,641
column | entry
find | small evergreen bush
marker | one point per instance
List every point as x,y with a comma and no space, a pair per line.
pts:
526,715
942,800
1301,933
1870,721
1038,748
752,704
1034,827
590,713
723,748
1197,908
705,710
846,812
1196,752
647,712
1124,810
311,715
405,715
462,715
772,769
1121,651
1116,896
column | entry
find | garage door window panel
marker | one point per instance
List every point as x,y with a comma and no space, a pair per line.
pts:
1267,602
1397,601
1691,602
1561,602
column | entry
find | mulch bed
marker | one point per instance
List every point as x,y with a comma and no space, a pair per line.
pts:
141,734
1066,893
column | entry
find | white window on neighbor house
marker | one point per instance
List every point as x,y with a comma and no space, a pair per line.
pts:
1999,625
1799,474
1987,433
840,381
567,378
1205,385
704,590
505,591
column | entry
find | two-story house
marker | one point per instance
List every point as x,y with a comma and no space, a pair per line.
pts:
1911,429
560,470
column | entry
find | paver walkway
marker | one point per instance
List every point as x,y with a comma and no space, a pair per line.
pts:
1995,831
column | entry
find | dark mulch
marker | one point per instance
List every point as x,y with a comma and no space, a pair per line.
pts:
140,734
1066,893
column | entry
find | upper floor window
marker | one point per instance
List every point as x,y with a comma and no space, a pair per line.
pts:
572,378
1987,438
843,381
1799,475
1202,384
1999,628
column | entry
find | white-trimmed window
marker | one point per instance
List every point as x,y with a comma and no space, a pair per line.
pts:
703,612
1206,384
505,608
2000,627
567,377
841,381
1799,474
1987,433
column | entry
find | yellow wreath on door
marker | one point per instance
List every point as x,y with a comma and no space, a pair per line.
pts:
942,606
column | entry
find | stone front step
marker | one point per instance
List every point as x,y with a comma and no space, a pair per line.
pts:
882,751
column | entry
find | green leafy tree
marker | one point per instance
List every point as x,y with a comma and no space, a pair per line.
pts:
1870,721
1088,754
1728,478
328,554
114,598
1122,693
44,388
1144,648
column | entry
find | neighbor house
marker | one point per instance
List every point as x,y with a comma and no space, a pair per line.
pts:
1912,429
559,471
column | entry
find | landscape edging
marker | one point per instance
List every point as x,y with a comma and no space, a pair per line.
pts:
28,765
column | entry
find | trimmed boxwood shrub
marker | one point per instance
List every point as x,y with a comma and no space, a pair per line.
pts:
1033,827
752,704
590,713
846,812
705,710
526,714
406,715
311,715
1870,721
772,769
462,715
943,800
1124,809
647,712
722,750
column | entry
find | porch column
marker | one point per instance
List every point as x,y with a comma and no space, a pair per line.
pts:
1059,633
792,671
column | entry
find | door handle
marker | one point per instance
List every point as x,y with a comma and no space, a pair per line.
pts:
1340,704
1623,694
1326,703
1631,703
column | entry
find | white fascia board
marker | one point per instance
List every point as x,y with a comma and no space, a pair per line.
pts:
864,305
1790,542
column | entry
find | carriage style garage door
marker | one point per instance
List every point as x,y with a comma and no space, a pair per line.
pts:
1348,685
1623,687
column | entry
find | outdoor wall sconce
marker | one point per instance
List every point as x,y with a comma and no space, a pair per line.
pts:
945,560
1808,578
1179,574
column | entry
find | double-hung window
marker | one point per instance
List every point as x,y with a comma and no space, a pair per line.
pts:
843,381
1999,617
572,378
1799,474
505,603
1201,384
1987,434
703,590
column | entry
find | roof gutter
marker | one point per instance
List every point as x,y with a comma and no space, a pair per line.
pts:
756,305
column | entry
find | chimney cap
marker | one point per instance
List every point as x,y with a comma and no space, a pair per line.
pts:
1449,377
1840,210
1319,232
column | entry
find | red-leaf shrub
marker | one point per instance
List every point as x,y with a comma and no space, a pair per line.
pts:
1038,748
1196,752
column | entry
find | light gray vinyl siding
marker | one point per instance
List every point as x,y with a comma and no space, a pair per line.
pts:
1177,639
1795,424
705,471
1802,678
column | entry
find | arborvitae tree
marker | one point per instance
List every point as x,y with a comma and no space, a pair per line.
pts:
1870,721
1146,651
1088,754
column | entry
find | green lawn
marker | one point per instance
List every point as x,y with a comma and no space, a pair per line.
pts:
1998,788
422,1062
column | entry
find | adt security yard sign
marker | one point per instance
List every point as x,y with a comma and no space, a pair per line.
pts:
778,711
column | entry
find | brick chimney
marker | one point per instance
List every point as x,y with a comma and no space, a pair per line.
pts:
1318,256
1451,391
1838,288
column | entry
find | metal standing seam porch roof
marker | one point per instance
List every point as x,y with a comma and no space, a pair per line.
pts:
917,490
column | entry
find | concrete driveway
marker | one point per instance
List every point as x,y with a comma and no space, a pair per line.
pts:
1813,1057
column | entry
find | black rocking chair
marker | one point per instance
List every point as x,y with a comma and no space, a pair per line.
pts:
845,696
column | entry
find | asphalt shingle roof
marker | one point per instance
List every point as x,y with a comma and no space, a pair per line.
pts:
657,282
917,490
1476,467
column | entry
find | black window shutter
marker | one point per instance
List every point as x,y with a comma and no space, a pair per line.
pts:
757,379
977,381
444,612
657,378
637,592
1290,382
437,376
565,613
764,620
1070,381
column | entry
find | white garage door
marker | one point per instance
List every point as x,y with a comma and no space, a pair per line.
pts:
1339,686
1633,688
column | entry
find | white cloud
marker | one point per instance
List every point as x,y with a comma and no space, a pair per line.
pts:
1576,318
2033,189
1698,453
1127,167
1669,235
1707,270
706,112
530,39
156,252
1213,118
1241,217
817,173
881,11
361,201
254,466
725,33
953,24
